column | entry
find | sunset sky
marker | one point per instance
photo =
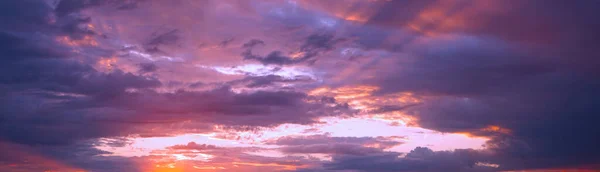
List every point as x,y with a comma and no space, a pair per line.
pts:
299,85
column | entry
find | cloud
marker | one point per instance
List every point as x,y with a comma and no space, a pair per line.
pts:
252,43
275,57
49,88
76,157
522,74
419,159
313,45
168,38
325,144
147,67
193,146
471,83
236,158
120,113
66,7
336,149
269,80
383,142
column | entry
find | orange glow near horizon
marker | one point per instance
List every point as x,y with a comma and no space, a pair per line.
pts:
411,136
385,124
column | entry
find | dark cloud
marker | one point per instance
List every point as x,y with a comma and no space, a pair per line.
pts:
391,108
313,45
226,42
337,149
465,65
316,43
166,38
128,5
532,84
73,26
419,159
157,39
253,42
147,67
66,7
197,84
268,80
51,102
325,144
275,57
14,17
107,114
474,83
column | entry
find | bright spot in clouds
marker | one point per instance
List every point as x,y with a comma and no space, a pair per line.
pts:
262,70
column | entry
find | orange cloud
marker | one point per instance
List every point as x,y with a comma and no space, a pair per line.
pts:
497,129
85,41
107,63
385,107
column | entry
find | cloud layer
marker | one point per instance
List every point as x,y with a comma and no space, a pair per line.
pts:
79,76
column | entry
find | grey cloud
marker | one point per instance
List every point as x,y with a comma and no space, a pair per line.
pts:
332,148
325,144
383,142
147,67
313,46
473,83
419,159
158,39
193,146
252,43
268,80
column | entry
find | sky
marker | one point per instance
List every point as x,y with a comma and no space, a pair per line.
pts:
299,85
